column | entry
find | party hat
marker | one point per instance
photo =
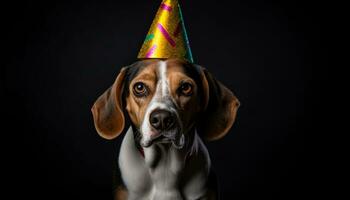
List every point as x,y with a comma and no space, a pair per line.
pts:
167,36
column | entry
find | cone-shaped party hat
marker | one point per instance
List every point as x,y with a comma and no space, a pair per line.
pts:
167,36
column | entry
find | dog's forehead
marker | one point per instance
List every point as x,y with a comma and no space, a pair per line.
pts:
147,70
176,65
142,67
151,69
182,67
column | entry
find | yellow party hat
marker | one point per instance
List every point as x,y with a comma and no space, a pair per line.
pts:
167,36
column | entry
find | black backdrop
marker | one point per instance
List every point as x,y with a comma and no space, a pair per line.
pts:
61,55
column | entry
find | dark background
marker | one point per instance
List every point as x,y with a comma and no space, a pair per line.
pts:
61,55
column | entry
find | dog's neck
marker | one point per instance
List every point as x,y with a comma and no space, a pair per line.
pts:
165,169
166,163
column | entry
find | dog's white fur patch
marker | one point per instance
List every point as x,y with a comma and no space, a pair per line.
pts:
156,175
164,83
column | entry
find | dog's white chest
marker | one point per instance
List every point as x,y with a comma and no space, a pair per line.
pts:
165,166
161,174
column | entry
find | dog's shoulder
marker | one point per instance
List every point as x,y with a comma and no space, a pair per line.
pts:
118,186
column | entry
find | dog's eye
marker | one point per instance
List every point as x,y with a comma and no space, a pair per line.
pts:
140,89
185,89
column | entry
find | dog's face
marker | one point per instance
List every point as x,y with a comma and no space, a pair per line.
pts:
165,99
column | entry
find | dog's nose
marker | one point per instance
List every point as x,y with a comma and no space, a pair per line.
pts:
161,120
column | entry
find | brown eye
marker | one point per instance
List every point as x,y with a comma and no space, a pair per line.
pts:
140,89
185,89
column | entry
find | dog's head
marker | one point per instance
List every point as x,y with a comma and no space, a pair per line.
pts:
165,99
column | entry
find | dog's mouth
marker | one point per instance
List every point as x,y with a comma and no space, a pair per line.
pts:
178,140
161,139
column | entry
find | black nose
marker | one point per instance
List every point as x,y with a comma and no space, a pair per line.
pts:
161,120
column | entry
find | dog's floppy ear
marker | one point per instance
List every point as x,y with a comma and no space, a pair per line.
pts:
220,108
108,112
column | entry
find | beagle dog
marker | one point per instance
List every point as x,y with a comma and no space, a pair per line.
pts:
172,105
